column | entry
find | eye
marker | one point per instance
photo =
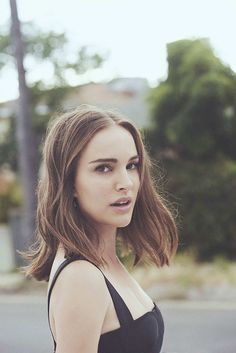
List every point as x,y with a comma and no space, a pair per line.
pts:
101,168
133,165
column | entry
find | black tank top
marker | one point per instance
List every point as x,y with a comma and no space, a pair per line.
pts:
142,335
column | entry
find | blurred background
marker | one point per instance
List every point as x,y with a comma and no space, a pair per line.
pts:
170,67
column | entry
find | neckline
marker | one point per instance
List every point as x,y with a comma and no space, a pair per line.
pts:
128,312
57,272
153,310
131,316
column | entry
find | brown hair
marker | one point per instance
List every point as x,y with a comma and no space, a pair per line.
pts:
152,232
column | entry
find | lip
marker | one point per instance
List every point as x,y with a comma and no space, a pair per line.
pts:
123,199
124,208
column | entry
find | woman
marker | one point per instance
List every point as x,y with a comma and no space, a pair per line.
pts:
95,189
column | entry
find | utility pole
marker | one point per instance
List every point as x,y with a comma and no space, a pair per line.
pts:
27,150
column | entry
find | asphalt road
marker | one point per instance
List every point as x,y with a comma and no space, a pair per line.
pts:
189,327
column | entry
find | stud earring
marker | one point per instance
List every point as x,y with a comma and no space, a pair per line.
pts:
75,203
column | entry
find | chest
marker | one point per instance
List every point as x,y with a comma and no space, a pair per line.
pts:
135,298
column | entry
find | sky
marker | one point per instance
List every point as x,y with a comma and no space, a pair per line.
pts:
133,33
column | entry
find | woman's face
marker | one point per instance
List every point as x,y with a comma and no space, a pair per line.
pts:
106,172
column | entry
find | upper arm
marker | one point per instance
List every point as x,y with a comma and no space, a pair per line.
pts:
80,303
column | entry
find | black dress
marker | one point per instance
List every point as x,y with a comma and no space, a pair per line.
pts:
143,335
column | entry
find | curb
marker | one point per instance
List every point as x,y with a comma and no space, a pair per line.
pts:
17,283
10,282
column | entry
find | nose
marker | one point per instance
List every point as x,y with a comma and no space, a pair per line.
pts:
123,180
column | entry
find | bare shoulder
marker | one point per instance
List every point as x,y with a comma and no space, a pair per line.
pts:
83,277
80,303
80,270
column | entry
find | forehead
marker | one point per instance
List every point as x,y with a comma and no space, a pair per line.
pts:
111,142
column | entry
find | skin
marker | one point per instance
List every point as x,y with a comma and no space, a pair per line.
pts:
99,184
78,324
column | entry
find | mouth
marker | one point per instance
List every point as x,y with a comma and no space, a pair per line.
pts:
122,206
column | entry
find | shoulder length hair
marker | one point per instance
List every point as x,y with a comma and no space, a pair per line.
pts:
151,234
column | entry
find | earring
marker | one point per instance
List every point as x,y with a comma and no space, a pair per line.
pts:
75,203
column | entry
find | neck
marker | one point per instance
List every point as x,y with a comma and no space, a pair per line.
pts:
107,246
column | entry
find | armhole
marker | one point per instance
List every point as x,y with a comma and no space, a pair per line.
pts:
58,271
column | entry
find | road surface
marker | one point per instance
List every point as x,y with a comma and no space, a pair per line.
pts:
190,327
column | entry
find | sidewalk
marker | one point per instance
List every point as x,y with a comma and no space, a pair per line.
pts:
10,281
16,283
13,281
208,284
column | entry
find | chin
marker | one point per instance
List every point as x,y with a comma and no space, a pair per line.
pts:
123,224
120,222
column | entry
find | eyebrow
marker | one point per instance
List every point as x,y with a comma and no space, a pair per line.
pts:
112,160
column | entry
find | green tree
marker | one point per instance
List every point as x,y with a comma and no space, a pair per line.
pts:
38,98
194,109
193,134
50,52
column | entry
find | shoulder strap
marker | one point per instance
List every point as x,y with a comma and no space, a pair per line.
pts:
122,311
59,269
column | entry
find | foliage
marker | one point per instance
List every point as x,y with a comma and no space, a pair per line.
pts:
50,52
10,193
194,110
8,147
207,206
193,134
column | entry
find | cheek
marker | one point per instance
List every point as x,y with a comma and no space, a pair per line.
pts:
136,181
91,191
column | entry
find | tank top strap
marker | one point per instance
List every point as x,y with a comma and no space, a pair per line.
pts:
59,269
123,314
122,311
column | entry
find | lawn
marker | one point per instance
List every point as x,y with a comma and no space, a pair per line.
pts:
187,279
